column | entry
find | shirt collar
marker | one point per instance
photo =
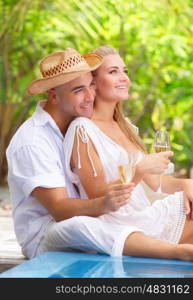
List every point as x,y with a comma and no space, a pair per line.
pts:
42,117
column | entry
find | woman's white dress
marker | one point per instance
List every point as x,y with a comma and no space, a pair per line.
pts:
163,219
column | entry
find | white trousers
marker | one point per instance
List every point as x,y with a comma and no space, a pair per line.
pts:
87,234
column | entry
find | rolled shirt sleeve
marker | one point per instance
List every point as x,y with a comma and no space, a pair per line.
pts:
37,166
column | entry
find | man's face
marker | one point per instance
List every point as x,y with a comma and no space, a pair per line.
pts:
76,97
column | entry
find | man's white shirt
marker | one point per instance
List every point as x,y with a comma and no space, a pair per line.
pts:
35,158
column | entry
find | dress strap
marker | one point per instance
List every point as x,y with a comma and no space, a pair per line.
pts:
82,134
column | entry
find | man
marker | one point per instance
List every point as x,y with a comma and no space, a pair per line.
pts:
48,214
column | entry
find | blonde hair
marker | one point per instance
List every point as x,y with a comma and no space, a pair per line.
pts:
124,123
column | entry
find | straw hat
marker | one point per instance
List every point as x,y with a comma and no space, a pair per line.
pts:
61,67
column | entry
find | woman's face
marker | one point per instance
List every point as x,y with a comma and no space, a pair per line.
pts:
112,82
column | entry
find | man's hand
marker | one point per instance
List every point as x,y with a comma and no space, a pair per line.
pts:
117,196
154,163
188,196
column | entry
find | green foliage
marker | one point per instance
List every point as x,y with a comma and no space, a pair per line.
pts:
155,38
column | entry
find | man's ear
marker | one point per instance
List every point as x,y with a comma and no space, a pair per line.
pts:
53,96
94,81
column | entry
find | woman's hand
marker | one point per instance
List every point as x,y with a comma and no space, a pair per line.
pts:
154,163
188,196
117,196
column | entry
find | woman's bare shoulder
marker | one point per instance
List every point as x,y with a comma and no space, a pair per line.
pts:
80,121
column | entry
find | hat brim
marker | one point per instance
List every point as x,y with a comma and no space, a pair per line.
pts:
42,85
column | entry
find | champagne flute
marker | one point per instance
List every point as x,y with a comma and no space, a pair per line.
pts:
162,143
126,172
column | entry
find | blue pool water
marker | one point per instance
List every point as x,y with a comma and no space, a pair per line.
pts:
82,265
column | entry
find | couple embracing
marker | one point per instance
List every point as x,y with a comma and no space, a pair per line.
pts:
63,168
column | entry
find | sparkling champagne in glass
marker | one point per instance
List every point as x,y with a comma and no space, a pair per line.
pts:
127,171
162,141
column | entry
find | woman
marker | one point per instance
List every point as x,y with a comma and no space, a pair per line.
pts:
97,147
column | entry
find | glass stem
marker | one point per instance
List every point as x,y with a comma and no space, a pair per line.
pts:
159,190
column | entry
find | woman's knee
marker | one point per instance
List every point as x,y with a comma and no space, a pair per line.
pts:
187,233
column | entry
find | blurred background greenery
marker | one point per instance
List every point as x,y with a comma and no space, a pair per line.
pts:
154,37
